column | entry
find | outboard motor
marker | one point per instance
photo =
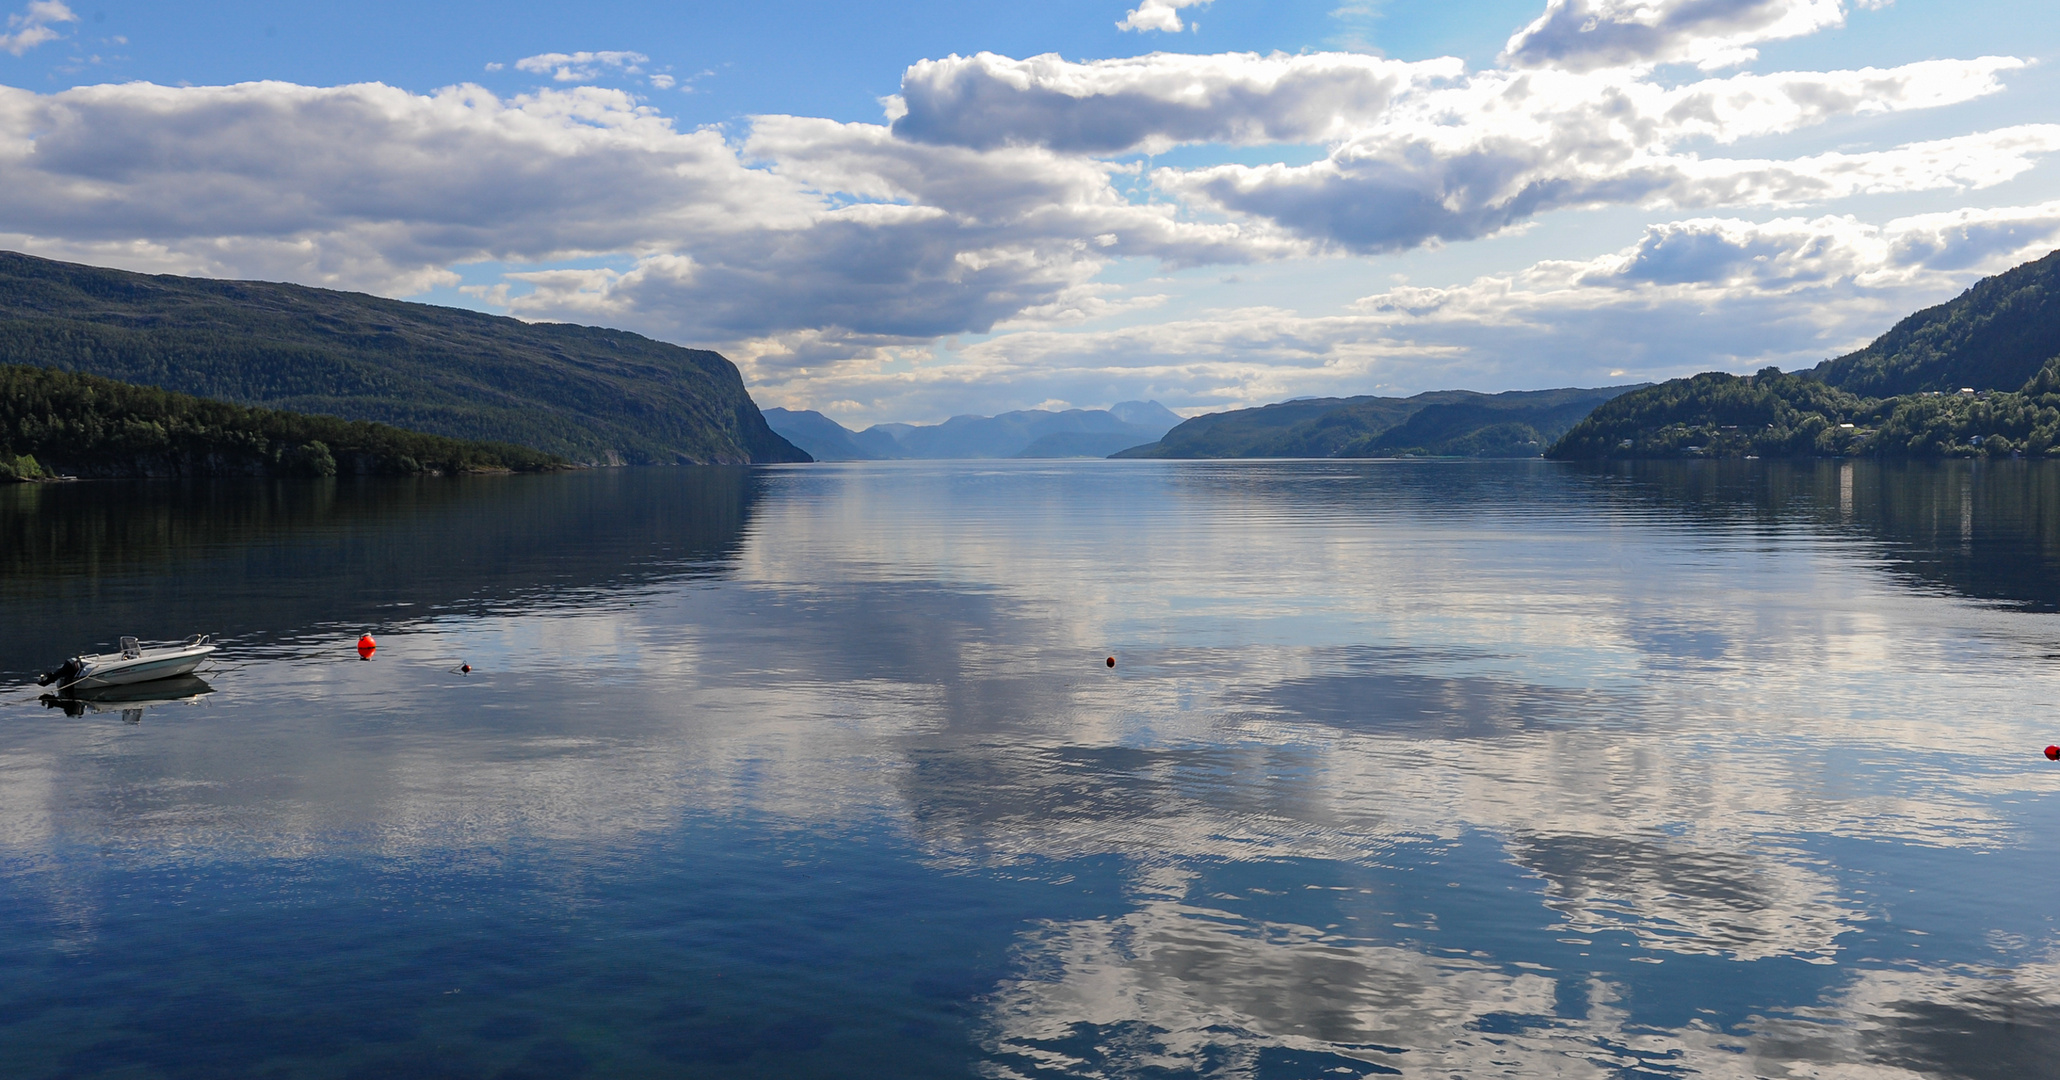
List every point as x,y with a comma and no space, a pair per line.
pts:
64,674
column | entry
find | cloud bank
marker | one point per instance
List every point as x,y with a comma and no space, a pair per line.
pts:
1689,295
1424,152
1153,103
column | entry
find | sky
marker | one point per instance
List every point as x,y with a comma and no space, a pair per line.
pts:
904,212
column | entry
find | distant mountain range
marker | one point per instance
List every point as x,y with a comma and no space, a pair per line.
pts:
580,392
1033,433
1441,423
1978,375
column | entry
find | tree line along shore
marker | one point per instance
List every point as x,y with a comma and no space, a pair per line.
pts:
60,423
1794,415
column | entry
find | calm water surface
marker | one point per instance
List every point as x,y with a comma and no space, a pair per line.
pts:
1406,768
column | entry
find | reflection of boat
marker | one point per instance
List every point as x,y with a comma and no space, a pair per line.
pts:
132,665
131,700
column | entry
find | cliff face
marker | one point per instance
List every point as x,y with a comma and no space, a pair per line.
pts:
584,393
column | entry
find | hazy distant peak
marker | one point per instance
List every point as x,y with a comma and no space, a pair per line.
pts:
1145,413
1023,432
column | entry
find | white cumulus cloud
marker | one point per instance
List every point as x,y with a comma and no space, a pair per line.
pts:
582,66
35,25
1471,160
918,242
1161,15
1425,151
1153,102
808,226
1583,35
1690,295
1370,202
366,186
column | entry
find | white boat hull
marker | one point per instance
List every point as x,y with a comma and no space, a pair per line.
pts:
118,670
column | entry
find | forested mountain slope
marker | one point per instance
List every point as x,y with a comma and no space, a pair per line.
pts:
582,392
1776,415
1978,375
1441,423
1994,336
61,422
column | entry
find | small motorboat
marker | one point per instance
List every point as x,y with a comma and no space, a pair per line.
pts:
134,664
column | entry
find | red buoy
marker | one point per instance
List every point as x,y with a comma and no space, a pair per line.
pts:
366,646
2053,753
1112,661
466,668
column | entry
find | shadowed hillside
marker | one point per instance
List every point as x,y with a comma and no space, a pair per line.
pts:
83,425
1442,423
581,392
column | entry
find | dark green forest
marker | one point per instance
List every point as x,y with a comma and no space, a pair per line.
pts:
1978,376
1994,336
1776,415
57,422
584,393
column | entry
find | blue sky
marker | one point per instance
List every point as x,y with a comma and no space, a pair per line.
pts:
909,211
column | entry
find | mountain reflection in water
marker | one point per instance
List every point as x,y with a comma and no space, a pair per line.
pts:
278,558
1429,768
1983,529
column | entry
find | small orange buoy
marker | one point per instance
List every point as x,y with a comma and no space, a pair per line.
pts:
1112,661
466,668
366,646
2053,753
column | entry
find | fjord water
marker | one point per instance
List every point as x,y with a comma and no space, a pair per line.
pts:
1417,768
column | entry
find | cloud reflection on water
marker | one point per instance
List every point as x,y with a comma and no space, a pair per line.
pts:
1183,990
1657,720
